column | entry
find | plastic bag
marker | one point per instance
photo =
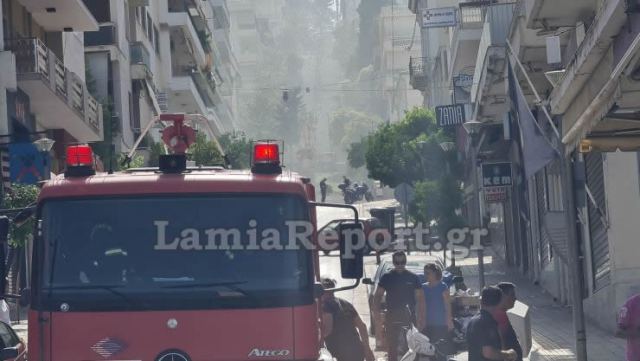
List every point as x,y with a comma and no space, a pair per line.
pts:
419,344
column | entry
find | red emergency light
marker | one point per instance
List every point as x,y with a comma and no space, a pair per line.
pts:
266,153
80,161
79,156
266,158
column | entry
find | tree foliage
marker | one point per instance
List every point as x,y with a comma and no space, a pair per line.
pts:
20,196
409,152
204,152
357,152
237,147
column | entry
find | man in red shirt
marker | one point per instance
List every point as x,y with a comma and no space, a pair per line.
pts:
629,326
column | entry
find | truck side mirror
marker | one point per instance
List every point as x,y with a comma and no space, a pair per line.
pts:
351,236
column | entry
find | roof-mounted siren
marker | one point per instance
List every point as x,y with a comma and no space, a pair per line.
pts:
177,137
265,158
80,161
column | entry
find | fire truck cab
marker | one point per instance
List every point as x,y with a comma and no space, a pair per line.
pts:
176,263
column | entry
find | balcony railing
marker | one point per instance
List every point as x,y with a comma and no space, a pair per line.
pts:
472,14
105,36
33,58
418,72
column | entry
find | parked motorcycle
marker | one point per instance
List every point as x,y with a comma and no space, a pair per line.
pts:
355,192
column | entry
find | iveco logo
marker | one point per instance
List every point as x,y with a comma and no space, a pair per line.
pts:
256,352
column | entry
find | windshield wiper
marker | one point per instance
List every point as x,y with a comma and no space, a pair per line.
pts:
232,285
109,288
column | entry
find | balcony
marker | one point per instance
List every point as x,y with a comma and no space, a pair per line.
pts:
197,18
61,15
221,17
466,36
183,96
418,74
488,90
186,44
59,97
107,35
552,14
140,62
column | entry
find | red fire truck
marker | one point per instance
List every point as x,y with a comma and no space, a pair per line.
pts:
177,263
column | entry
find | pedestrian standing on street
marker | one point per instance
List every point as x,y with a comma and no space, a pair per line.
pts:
507,333
404,301
629,326
483,337
323,189
439,318
344,332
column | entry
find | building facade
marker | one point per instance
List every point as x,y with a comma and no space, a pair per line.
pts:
581,59
44,92
150,57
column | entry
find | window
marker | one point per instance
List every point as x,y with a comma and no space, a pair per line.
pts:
127,26
156,39
100,10
139,14
143,16
150,28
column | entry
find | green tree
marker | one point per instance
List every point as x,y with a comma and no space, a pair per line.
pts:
20,196
204,152
407,151
238,149
357,152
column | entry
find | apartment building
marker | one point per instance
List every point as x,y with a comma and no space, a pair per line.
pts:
150,57
398,42
581,58
43,78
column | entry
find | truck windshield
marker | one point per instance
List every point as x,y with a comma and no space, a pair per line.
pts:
173,252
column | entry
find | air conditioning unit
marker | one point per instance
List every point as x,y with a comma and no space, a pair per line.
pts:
554,77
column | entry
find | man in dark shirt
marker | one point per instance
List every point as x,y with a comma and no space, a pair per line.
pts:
483,337
404,300
507,333
344,332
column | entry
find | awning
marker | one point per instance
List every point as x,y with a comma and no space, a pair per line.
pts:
602,102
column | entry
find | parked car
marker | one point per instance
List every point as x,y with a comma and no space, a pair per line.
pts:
12,348
330,232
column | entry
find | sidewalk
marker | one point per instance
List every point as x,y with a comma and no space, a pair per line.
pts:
551,324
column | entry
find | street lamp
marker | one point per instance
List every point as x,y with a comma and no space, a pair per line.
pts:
44,146
447,147
472,127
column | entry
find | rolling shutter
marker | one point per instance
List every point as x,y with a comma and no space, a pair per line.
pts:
598,224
